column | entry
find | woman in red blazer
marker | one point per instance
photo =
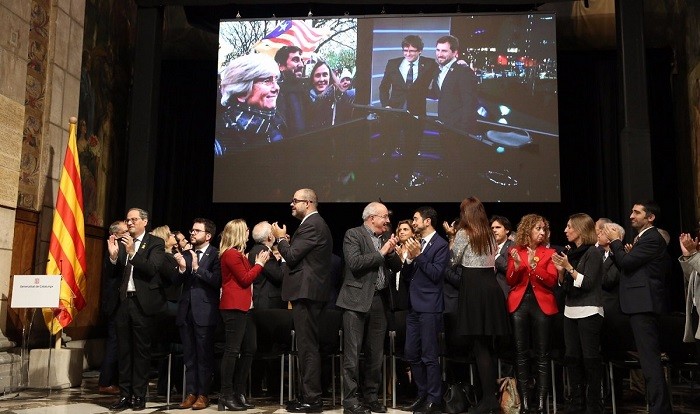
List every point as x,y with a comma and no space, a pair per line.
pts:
531,276
237,276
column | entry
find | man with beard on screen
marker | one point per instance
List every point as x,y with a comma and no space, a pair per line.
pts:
293,99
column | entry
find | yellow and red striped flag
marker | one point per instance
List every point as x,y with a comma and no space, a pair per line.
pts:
67,244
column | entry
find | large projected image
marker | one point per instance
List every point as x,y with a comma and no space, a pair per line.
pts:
425,108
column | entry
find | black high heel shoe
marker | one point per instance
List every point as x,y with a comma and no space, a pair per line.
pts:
241,400
229,403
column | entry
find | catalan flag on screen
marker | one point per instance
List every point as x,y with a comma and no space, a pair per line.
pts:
67,243
293,33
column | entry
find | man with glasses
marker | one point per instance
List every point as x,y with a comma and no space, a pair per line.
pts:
135,260
199,271
369,261
308,256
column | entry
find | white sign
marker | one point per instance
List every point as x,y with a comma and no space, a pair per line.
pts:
36,291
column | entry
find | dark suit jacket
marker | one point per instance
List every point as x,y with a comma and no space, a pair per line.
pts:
453,279
362,263
147,264
109,300
200,290
502,265
308,256
426,276
457,99
267,287
395,93
644,268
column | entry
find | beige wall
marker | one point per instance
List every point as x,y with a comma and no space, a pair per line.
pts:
40,52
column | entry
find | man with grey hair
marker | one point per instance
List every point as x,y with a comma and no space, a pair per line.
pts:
248,115
369,260
267,287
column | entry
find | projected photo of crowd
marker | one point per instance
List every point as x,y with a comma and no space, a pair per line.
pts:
397,108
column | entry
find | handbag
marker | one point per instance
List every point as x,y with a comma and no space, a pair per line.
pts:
510,399
455,399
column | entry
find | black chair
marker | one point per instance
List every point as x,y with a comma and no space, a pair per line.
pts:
275,340
330,332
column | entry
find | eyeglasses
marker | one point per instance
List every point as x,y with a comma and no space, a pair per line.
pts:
411,50
268,81
294,201
132,220
385,216
197,231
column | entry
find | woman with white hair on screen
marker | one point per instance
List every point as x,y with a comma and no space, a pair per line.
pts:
249,89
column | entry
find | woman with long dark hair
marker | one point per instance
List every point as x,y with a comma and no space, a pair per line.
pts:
481,312
532,275
581,274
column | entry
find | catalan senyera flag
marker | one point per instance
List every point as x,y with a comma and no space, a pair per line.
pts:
67,244
291,33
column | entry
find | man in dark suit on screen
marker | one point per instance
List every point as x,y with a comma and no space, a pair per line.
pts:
308,256
369,256
424,269
643,295
135,260
405,86
199,271
454,86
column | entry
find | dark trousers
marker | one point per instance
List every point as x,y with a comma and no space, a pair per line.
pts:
134,347
241,344
646,330
531,331
422,352
198,354
368,329
582,337
305,315
109,370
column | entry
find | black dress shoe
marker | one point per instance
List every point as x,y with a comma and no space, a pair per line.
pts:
139,403
292,405
417,404
376,407
430,408
122,404
304,407
356,409
243,402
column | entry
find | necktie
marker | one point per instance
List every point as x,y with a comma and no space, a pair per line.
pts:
125,280
199,255
422,245
409,75
379,284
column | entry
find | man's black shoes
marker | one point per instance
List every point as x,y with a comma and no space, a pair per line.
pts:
416,405
376,407
122,404
430,408
304,407
356,409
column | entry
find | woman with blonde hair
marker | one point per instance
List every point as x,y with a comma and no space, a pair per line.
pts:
531,275
581,271
237,276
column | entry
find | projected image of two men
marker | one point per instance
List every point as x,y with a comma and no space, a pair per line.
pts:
426,108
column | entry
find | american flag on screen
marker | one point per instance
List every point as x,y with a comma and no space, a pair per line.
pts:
292,33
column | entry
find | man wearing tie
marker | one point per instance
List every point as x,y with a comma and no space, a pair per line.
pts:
405,86
424,269
369,256
308,256
267,287
135,259
199,271
643,295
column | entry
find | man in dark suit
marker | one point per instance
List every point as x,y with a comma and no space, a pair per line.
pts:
455,87
424,269
643,295
109,370
308,256
405,86
199,272
267,288
501,228
135,260
369,254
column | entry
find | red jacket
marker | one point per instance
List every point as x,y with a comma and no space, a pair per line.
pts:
542,279
237,276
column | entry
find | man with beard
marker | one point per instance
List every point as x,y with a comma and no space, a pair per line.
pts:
293,99
308,256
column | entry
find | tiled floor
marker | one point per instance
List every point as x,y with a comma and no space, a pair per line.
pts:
85,400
